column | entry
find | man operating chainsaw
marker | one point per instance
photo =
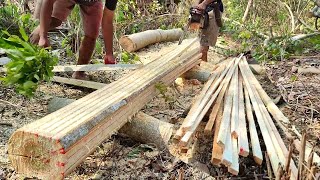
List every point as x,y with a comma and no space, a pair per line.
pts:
211,23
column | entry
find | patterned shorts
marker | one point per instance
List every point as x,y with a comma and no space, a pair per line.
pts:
208,36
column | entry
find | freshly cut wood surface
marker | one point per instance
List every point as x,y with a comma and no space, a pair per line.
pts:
140,40
255,144
95,67
227,156
53,146
234,168
243,137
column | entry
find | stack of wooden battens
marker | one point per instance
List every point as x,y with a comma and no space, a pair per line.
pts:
236,96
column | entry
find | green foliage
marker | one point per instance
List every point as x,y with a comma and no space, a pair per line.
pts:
282,47
29,64
140,149
12,19
129,58
163,89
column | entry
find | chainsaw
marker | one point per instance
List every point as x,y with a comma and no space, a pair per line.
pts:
315,12
199,19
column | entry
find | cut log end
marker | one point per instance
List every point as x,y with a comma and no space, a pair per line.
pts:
127,44
32,154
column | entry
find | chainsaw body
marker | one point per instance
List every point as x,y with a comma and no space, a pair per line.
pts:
198,19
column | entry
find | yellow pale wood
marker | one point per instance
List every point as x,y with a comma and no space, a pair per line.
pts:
60,141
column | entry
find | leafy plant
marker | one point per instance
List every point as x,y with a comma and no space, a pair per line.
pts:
129,58
29,64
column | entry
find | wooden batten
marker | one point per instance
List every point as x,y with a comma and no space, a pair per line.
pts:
243,137
273,132
95,67
217,151
55,145
225,122
216,108
255,144
78,82
235,104
234,168
273,154
203,99
227,156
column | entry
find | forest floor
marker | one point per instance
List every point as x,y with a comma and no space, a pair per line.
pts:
119,157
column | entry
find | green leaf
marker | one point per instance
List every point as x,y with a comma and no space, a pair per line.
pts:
23,34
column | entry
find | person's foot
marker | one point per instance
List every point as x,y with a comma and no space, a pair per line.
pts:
35,36
109,59
79,75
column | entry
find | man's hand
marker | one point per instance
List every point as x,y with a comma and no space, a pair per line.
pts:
44,42
109,59
201,6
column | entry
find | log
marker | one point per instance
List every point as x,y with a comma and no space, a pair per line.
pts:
311,70
149,130
95,67
217,151
256,149
234,168
143,127
243,137
52,147
136,41
235,105
78,82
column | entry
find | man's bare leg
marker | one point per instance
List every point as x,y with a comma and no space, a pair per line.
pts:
204,51
85,52
35,35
